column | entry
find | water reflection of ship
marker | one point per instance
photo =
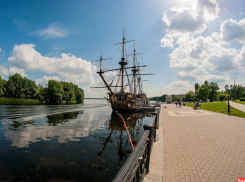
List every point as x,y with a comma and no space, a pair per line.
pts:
134,123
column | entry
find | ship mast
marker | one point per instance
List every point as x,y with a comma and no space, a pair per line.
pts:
101,72
122,62
135,69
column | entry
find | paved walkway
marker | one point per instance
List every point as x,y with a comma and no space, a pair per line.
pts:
241,107
197,145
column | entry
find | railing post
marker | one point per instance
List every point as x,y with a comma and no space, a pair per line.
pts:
149,146
157,117
155,126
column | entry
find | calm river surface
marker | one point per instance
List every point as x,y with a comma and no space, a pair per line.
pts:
83,142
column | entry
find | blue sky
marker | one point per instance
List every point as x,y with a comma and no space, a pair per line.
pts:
183,41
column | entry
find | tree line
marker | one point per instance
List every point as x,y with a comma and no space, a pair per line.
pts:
159,98
22,88
207,91
210,91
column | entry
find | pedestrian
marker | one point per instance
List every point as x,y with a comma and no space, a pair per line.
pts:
176,102
179,103
194,106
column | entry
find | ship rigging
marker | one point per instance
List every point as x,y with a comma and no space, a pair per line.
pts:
122,99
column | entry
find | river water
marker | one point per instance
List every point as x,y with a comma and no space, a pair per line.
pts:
82,142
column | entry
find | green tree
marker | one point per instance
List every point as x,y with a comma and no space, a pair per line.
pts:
1,87
243,94
14,85
223,96
55,91
213,91
41,93
196,86
239,91
189,96
72,92
202,92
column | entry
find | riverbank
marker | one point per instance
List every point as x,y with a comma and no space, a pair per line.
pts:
15,101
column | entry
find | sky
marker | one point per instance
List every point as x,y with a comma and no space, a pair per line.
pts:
183,41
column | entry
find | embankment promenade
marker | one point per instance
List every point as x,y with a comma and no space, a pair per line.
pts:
197,145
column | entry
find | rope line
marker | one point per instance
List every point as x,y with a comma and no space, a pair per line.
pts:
112,57
127,131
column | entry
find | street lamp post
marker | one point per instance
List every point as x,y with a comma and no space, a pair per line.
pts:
231,88
227,90
211,91
234,87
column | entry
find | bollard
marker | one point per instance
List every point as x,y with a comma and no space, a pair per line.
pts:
157,117
228,106
149,146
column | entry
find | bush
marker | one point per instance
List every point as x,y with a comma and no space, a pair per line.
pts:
243,94
242,99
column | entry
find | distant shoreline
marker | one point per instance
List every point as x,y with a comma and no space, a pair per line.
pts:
96,98
15,101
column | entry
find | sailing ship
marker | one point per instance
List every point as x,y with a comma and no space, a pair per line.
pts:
130,96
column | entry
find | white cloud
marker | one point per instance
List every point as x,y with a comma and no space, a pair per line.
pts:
11,71
191,20
222,60
178,87
184,20
2,53
85,79
168,40
198,58
70,67
3,70
197,74
208,9
53,31
232,30
217,78
44,80
193,54
241,58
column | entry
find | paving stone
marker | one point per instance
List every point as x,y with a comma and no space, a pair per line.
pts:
201,145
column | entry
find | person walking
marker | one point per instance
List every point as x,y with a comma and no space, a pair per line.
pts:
179,104
194,106
176,102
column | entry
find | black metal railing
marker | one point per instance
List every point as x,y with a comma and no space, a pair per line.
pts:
138,163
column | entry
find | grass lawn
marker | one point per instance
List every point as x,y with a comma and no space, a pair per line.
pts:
240,102
221,107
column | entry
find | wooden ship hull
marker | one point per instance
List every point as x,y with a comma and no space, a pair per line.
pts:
125,102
